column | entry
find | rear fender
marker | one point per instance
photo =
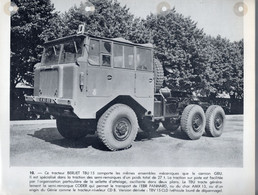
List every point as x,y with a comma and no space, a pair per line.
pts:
127,100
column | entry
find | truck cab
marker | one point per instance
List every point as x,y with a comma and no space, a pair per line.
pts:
83,73
81,76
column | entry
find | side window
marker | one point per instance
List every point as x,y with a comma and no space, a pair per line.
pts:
118,55
143,59
129,57
106,53
94,52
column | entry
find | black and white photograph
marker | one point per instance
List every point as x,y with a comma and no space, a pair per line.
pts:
127,83
98,76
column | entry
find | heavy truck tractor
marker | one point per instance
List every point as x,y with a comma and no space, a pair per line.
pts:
114,87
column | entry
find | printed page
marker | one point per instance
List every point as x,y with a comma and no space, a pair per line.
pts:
127,97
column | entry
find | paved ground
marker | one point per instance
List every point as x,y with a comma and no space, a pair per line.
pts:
38,143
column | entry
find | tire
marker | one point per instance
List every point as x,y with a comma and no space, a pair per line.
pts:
193,121
147,125
117,127
71,128
158,75
215,121
170,126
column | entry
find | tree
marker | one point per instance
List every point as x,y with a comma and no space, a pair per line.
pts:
196,61
235,80
178,45
56,29
225,64
27,25
109,19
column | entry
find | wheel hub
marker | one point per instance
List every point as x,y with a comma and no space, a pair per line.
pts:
197,122
122,129
218,122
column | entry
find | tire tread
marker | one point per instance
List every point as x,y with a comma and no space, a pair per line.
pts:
209,121
158,74
185,118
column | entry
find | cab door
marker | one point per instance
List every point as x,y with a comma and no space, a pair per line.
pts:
99,72
144,77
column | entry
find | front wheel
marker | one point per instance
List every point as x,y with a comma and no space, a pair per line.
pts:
117,127
193,121
215,120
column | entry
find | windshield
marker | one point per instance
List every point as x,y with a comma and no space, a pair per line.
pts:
63,53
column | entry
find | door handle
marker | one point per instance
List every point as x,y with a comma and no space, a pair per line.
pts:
109,77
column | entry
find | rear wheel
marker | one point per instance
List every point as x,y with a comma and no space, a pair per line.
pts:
193,121
117,127
215,120
71,128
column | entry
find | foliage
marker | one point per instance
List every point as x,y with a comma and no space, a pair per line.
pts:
109,19
224,65
178,44
197,62
56,28
27,25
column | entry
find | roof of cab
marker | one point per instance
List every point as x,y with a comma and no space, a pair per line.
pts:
119,40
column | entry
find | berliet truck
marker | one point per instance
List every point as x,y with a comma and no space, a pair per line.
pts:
115,88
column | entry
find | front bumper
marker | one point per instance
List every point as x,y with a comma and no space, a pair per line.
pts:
53,106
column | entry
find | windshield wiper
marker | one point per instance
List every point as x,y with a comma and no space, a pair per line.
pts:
76,50
54,49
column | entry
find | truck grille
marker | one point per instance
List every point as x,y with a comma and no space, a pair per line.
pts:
48,84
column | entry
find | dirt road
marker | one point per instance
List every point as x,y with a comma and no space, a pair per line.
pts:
38,143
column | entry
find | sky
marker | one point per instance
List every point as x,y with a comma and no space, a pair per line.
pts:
215,17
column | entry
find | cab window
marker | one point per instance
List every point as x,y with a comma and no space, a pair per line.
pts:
71,51
129,57
94,51
143,59
106,53
118,56
66,51
123,56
